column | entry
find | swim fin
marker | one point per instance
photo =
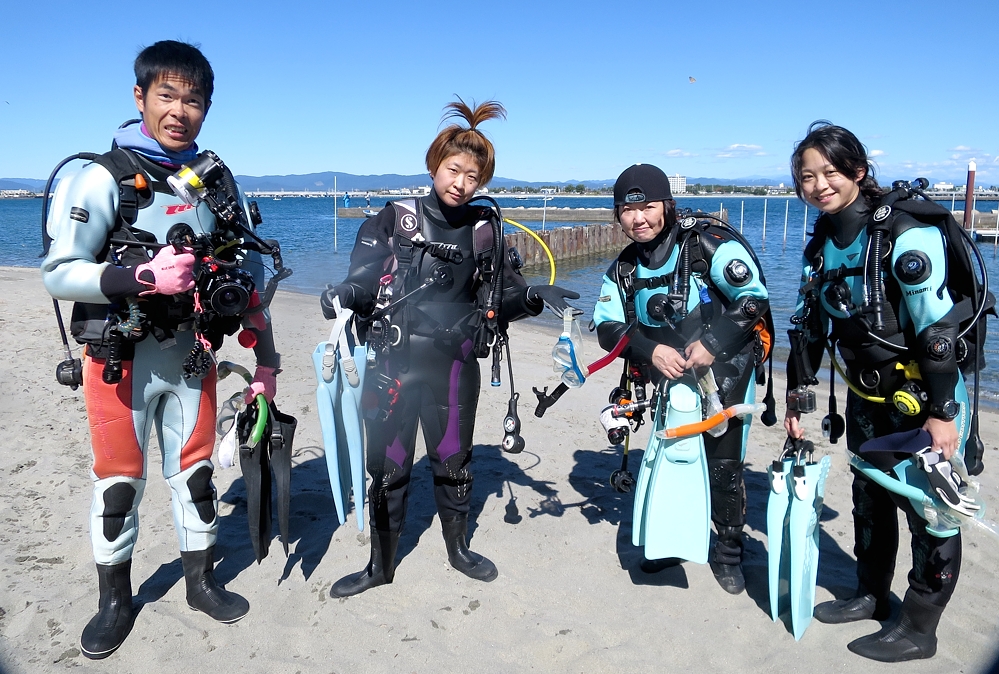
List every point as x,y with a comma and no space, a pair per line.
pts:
797,488
778,551
672,515
340,370
334,440
281,438
254,463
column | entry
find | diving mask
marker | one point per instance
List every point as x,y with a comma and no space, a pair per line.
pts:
568,351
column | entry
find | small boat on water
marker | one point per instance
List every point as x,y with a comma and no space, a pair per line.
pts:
369,212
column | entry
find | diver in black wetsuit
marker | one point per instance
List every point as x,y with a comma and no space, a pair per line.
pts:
426,368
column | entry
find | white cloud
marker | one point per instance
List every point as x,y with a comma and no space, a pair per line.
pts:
744,146
961,148
876,153
679,153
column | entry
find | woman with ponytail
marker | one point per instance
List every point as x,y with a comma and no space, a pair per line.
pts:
911,311
426,371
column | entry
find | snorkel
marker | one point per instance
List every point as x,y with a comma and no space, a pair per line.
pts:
566,362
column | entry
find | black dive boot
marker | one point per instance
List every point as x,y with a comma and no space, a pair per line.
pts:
379,571
726,560
107,630
912,636
850,610
469,563
204,593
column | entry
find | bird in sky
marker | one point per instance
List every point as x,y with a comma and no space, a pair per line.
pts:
692,80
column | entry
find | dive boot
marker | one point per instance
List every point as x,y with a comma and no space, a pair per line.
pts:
852,610
469,563
107,630
204,593
726,559
912,636
379,571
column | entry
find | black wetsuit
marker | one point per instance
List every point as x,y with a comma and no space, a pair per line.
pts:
434,363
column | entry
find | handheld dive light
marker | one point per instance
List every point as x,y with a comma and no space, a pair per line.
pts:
191,182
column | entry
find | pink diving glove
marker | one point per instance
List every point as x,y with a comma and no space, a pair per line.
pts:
265,382
168,273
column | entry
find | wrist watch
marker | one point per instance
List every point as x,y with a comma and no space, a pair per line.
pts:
947,410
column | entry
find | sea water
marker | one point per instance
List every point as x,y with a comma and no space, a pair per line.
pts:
317,246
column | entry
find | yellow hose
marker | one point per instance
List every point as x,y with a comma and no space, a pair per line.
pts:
548,252
873,399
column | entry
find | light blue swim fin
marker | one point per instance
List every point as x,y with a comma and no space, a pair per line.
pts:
340,373
352,364
809,481
334,439
672,516
778,551
797,488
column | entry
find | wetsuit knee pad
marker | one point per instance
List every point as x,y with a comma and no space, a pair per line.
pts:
119,499
728,492
202,493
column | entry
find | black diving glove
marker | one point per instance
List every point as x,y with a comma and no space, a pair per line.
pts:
552,296
350,298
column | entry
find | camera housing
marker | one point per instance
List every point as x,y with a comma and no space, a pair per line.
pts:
228,291
801,399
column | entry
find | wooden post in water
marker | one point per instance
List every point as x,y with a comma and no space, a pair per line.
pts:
969,193
764,223
334,214
804,226
742,214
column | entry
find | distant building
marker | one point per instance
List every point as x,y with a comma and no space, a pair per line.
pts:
944,187
16,194
678,184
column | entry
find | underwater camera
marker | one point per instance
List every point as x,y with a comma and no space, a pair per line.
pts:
225,289
801,399
227,292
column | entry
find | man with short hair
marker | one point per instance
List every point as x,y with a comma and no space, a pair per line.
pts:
149,354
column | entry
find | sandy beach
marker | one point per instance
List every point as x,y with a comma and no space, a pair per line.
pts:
569,598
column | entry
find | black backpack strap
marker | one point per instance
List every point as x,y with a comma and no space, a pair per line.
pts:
408,226
124,167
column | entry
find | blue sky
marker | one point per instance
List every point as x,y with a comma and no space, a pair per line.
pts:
590,87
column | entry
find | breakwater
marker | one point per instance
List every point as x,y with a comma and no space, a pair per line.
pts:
567,242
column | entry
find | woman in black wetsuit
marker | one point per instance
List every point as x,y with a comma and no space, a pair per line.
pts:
426,368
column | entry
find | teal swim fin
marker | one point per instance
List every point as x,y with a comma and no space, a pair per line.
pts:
672,516
778,550
797,489
340,374
334,438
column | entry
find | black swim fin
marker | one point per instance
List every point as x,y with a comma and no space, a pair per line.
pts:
254,462
282,435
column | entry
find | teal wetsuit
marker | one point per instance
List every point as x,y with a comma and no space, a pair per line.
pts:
918,315
725,325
